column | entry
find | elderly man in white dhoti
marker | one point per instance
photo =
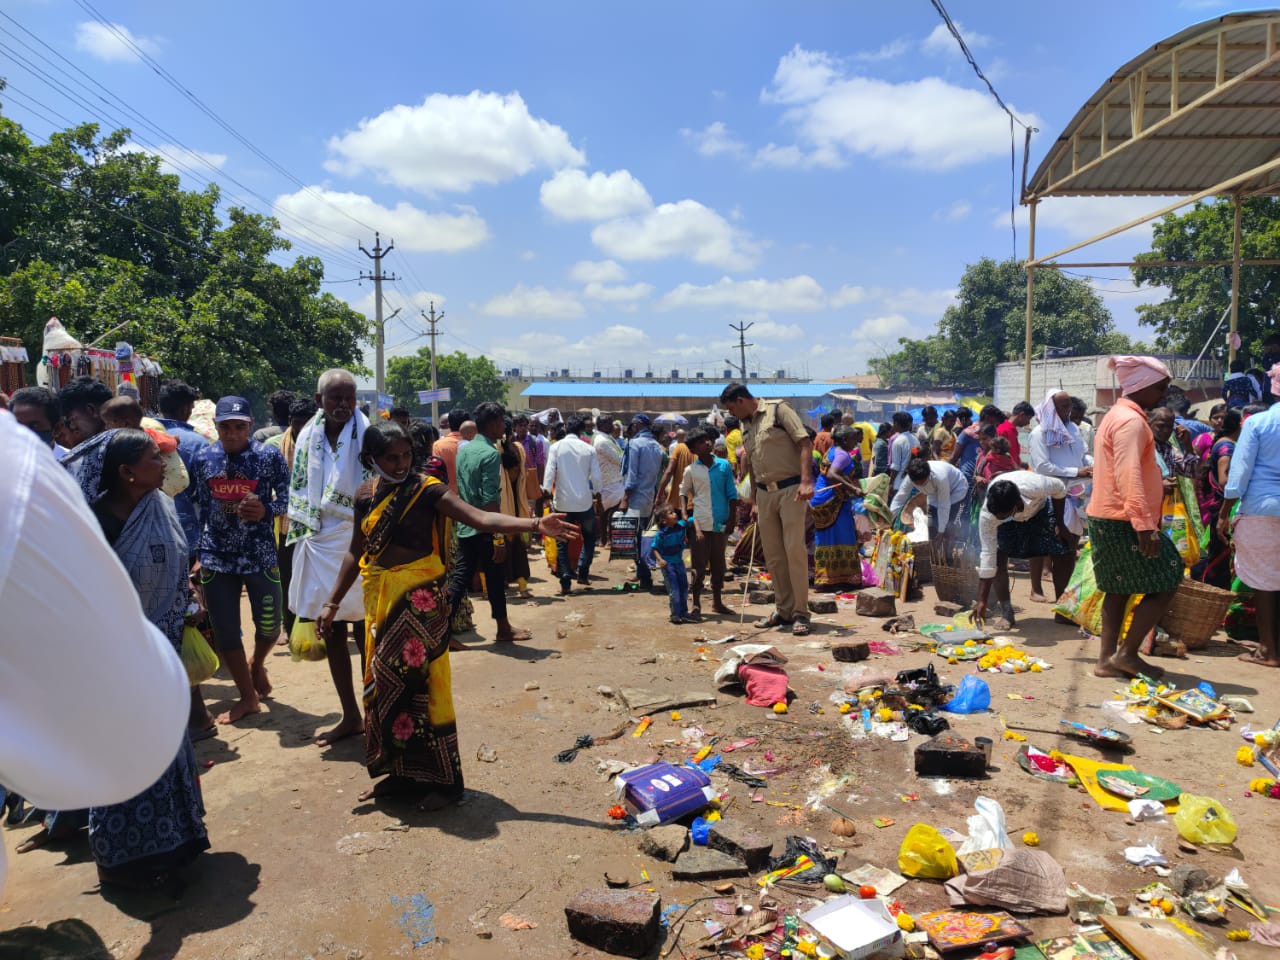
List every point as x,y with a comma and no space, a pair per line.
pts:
326,473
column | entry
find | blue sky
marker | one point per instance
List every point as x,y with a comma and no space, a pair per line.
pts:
599,185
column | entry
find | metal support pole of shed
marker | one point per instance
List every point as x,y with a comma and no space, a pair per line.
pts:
1031,301
1235,282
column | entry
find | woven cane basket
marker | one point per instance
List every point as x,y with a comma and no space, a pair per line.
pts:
1196,613
955,579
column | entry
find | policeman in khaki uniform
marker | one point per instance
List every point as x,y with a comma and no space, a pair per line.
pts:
779,456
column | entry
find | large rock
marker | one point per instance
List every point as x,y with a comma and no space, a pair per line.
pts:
623,922
761,597
851,652
700,863
948,610
740,842
875,602
665,843
823,605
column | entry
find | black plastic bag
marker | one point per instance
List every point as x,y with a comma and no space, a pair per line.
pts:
802,846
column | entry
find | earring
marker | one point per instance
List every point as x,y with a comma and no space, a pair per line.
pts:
133,479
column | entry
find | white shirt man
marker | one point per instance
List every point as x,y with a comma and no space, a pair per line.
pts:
573,473
609,457
945,487
1036,491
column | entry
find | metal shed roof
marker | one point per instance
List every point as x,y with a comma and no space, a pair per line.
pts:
674,388
1201,108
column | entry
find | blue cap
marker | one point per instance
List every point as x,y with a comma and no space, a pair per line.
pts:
232,408
641,419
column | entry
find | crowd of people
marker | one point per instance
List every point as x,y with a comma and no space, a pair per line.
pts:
344,529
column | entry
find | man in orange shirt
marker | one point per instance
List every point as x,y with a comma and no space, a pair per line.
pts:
446,448
1130,554
823,441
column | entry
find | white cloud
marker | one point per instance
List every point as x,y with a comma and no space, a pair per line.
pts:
793,295
954,212
534,303
453,143
771,330
940,42
603,345
927,303
714,140
682,229
890,51
573,195
928,123
418,300
528,256
889,326
1081,217
173,159
112,43
791,157
597,271
618,293
317,214
847,296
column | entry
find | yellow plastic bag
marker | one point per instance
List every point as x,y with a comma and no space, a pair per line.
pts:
304,642
1204,820
1177,524
197,656
926,855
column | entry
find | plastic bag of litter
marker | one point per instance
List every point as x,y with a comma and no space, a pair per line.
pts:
986,828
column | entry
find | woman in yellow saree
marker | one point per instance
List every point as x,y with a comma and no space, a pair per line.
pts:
402,519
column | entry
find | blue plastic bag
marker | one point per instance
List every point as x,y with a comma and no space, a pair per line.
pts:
973,696
700,832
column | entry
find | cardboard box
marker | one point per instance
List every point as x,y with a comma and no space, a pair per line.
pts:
856,928
660,792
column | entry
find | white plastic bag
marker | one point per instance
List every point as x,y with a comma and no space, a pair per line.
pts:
986,829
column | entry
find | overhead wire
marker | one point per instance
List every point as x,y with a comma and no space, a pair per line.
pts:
134,117
208,111
1013,118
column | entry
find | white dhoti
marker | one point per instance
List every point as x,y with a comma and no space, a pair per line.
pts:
316,561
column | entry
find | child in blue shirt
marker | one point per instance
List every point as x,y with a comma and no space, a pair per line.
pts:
668,547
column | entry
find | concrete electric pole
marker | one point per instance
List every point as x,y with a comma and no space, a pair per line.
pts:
742,329
432,319
379,340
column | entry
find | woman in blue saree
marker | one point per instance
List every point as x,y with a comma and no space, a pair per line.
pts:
837,561
141,842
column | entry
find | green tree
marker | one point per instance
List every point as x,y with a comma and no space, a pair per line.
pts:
1199,296
986,325
102,238
471,380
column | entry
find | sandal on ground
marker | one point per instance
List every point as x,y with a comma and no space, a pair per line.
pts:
772,621
800,627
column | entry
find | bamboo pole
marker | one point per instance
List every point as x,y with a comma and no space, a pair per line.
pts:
1235,283
1031,299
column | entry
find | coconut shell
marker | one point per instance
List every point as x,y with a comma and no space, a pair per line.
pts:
843,828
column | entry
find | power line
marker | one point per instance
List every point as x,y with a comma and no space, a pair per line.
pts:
208,111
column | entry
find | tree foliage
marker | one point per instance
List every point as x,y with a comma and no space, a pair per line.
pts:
1199,296
986,325
472,380
100,237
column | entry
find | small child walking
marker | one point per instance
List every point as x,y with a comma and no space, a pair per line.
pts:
668,547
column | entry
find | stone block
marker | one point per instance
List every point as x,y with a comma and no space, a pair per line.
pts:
851,652
948,610
947,755
741,843
875,602
621,922
700,863
823,605
762,597
665,843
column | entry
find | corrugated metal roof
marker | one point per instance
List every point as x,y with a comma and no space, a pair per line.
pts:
674,388
1227,120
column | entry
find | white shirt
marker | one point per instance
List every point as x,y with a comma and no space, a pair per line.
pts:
573,472
609,456
1036,492
78,727
945,488
1063,461
899,454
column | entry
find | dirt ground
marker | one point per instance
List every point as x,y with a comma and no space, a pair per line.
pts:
300,869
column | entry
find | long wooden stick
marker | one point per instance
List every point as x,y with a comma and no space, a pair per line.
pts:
746,584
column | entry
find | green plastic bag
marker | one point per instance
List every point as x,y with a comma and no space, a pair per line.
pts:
304,642
1204,820
924,854
197,656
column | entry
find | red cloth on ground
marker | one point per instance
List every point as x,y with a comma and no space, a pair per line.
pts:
766,684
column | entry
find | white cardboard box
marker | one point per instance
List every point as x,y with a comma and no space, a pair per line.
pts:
856,928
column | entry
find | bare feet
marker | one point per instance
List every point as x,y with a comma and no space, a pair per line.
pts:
721,609
1104,669
1128,667
349,727
456,645
1259,660
513,636
34,842
261,684
239,710
392,786
1038,597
